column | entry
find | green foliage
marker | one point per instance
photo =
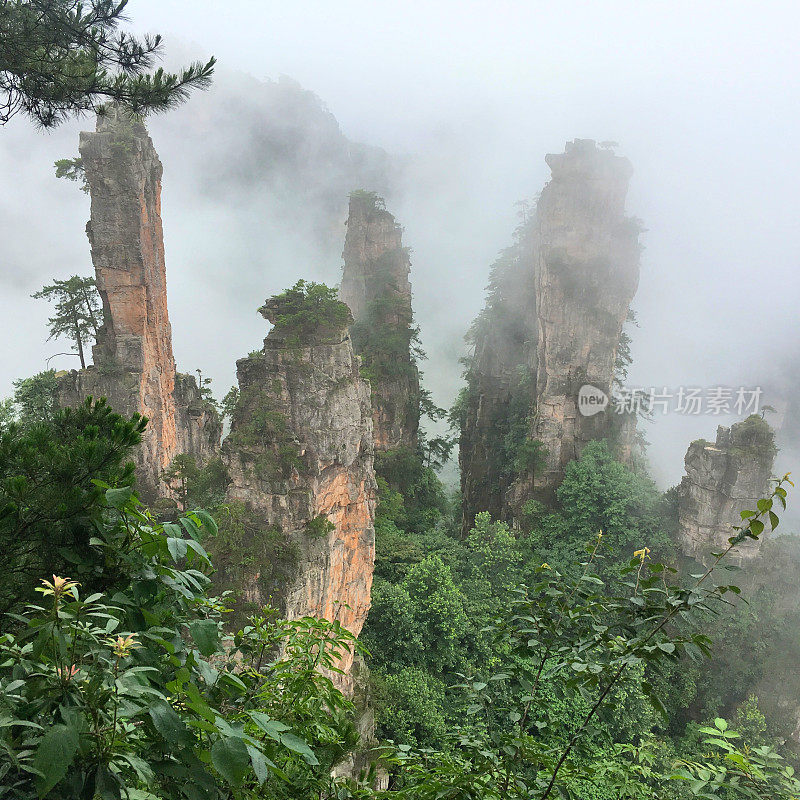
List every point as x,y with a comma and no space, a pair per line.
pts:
412,702
35,399
425,574
72,169
384,334
51,504
120,684
101,700
733,769
372,199
204,388
519,452
307,310
229,401
750,722
754,437
439,616
124,685
624,359
64,58
260,431
194,485
756,646
422,501
244,546
319,526
600,494
568,644
530,455
77,310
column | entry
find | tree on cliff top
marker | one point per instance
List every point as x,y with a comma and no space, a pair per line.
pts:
64,57
306,310
77,314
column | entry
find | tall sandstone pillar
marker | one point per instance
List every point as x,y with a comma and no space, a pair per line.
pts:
586,272
300,461
133,362
558,299
376,287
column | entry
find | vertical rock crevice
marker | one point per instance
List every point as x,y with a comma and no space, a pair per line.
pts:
134,366
376,287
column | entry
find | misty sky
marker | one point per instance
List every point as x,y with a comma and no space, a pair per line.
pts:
702,97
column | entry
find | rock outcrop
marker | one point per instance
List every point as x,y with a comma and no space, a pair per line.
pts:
500,375
300,460
133,362
557,305
586,273
376,288
722,479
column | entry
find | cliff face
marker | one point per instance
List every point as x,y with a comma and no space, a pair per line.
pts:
722,479
557,304
133,362
586,273
376,288
299,457
501,392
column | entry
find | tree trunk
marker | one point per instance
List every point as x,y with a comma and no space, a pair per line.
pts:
89,313
78,338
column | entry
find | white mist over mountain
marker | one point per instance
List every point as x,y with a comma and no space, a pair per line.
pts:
455,106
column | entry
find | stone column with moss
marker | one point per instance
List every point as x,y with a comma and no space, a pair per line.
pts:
300,460
134,366
724,478
376,287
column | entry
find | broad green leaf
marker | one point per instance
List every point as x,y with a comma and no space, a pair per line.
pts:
259,762
53,757
297,745
191,527
168,723
207,520
231,759
269,726
177,547
206,636
118,498
279,732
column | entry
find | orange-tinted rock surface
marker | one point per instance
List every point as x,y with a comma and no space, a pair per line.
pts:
300,460
133,362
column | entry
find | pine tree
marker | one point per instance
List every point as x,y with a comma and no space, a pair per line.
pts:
60,58
77,310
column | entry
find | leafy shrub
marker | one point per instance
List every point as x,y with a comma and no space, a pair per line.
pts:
306,310
136,695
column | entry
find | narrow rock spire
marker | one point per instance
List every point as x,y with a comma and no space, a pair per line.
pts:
376,287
